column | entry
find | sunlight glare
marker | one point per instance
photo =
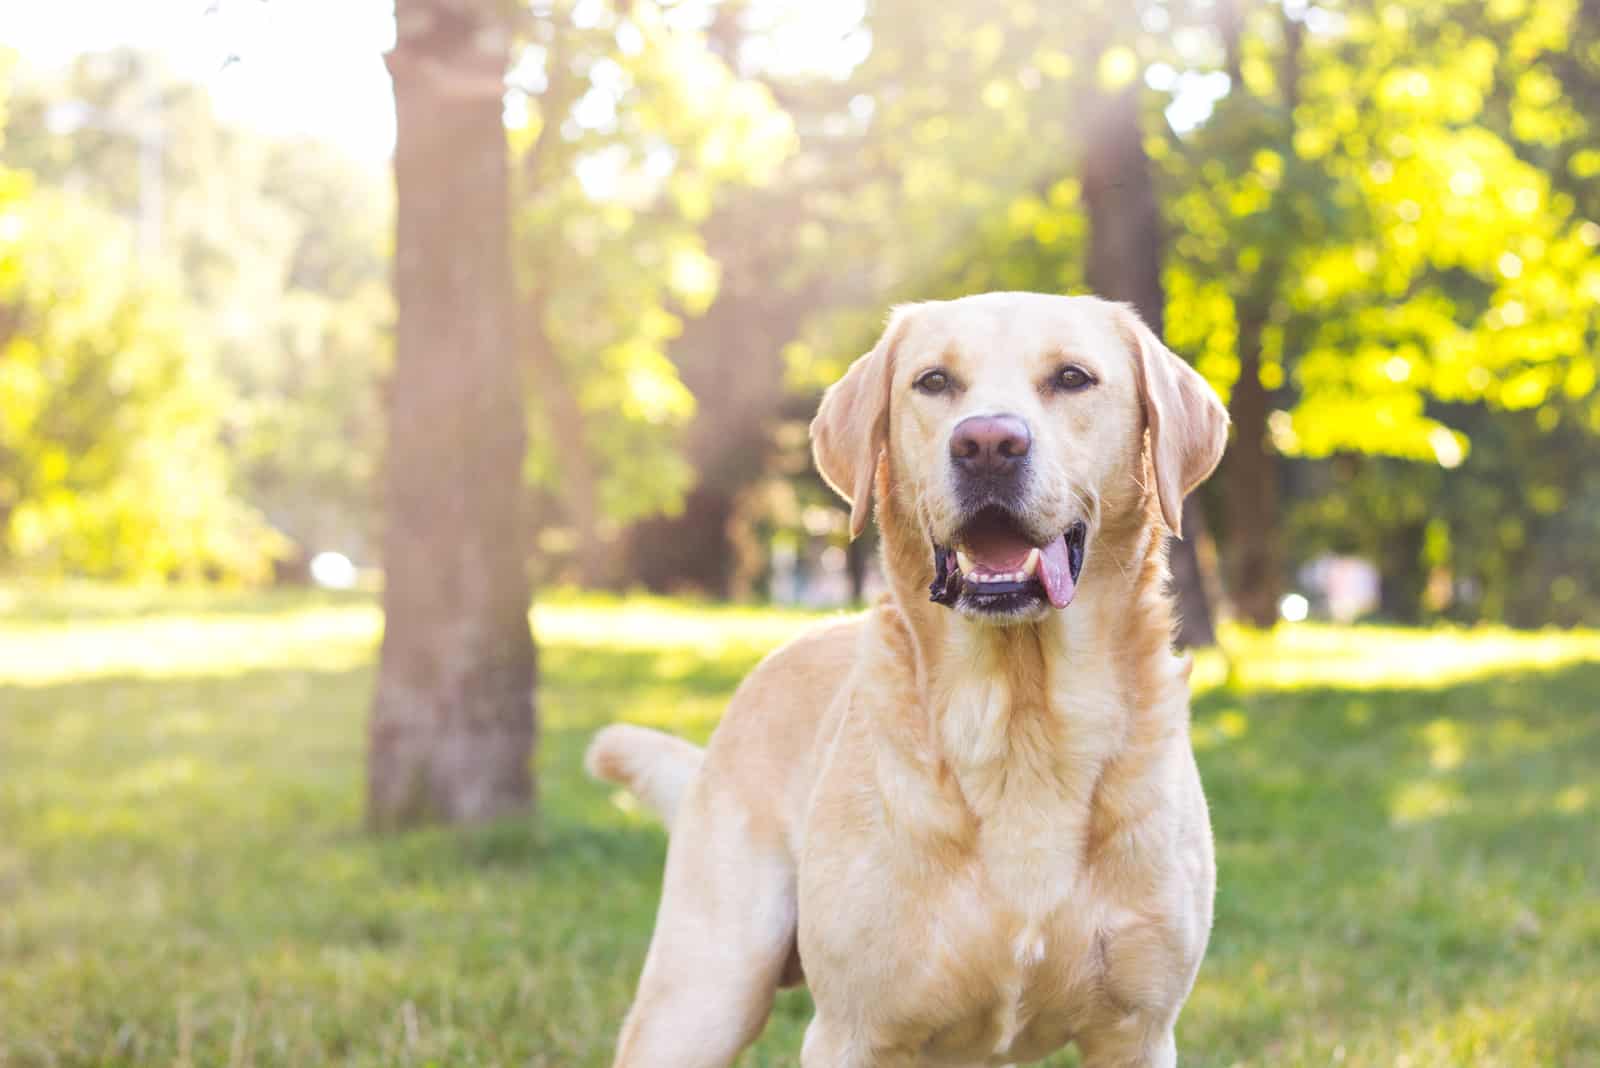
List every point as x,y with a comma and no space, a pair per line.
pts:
333,571
1294,608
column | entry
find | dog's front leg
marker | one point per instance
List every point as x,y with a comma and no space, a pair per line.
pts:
1129,1043
831,1045
723,934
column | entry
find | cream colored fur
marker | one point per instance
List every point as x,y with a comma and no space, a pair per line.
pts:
983,841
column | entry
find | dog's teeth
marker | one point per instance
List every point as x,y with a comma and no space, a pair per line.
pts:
1031,567
963,561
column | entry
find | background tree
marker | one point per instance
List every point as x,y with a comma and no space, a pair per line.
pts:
745,441
707,223
628,126
452,726
1126,249
111,462
272,253
1363,279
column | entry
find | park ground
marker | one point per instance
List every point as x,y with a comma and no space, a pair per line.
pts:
1407,826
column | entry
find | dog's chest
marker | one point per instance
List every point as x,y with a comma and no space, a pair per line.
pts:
1013,975
951,909
1026,768
1004,934
1017,920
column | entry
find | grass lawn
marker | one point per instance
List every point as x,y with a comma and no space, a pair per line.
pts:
1408,830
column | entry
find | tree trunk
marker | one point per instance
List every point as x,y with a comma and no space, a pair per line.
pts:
731,359
452,728
1250,479
1251,470
690,551
1194,579
1126,247
1402,579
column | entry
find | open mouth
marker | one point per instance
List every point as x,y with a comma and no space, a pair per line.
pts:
993,568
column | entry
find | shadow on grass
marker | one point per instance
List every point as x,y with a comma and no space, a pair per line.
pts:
1407,862
183,853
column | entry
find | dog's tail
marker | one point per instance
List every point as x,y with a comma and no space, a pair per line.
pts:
656,767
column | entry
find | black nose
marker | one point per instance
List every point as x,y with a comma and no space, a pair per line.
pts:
989,444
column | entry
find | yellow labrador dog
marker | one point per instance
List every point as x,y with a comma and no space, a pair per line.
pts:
969,820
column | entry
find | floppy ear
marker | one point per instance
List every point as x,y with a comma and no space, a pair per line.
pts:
1188,424
851,429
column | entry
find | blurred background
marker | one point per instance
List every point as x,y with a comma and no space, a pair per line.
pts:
251,327
1372,226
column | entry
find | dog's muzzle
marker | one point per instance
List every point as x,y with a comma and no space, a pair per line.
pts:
991,567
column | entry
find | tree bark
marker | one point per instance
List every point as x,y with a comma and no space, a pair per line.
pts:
1250,481
1402,579
1126,246
731,359
452,729
1251,471
687,552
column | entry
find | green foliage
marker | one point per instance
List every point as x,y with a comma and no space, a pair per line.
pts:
280,251
1404,827
1506,536
948,167
1398,217
309,426
274,265
1396,203
635,127
109,420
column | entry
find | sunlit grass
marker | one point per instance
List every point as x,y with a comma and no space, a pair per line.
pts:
1352,658
47,638
1406,824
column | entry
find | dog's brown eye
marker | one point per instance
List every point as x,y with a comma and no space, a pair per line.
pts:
932,382
1072,379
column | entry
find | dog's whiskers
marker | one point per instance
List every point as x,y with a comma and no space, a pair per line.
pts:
1122,567
1090,502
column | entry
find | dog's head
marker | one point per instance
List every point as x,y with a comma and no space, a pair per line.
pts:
1014,428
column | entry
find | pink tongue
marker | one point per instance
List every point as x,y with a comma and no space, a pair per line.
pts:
1055,573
